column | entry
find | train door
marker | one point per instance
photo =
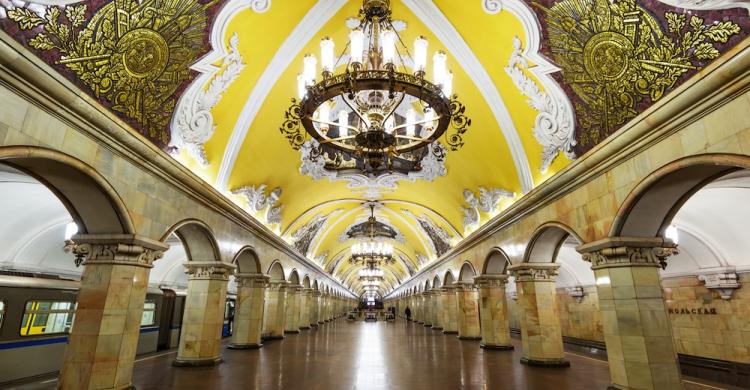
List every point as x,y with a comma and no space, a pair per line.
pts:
165,320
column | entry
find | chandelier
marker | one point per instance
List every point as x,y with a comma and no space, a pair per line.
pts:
371,275
368,112
372,254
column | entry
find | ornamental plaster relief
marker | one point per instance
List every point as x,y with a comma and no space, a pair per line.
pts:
259,202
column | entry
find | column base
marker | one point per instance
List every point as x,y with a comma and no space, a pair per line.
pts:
291,331
427,325
321,322
273,338
197,362
304,327
497,347
545,363
469,337
245,346
437,327
313,325
450,332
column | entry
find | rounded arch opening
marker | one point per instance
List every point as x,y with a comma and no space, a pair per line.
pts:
448,279
197,239
294,278
467,273
247,261
496,262
276,271
306,281
436,282
546,242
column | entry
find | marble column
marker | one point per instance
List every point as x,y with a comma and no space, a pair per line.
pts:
493,312
427,304
322,308
468,311
541,334
248,318
203,319
291,323
314,303
450,309
273,323
305,296
102,344
635,322
437,308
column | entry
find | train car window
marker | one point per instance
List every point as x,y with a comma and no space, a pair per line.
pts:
149,313
2,312
47,317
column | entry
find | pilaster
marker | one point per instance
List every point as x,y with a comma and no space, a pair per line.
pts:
493,312
275,316
449,309
292,309
468,311
248,319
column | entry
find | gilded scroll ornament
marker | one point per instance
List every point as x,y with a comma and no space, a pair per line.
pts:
617,57
134,54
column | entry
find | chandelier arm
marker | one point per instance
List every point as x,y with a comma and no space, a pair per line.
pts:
333,124
328,141
417,123
343,97
403,95
406,48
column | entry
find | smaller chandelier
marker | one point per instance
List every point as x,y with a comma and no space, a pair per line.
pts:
371,273
370,113
372,254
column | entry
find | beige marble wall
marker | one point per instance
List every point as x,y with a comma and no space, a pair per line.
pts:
467,298
248,318
581,320
203,319
724,335
450,310
305,301
437,309
313,309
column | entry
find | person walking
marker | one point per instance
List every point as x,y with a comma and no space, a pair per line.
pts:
407,311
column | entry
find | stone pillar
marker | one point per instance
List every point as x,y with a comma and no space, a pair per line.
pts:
636,326
248,319
202,323
273,322
427,304
322,308
291,323
102,344
541,335
468,311
437,308
305,298
314,303
493,312
450,309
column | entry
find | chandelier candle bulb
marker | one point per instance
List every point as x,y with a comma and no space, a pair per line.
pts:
324,115
388,38
420,56
448,84
343,121
389,124
439,67
326,56
411,117
310,63
301,86
356,44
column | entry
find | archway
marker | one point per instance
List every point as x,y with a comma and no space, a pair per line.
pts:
467,273
247,261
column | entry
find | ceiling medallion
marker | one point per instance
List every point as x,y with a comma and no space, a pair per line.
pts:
386,116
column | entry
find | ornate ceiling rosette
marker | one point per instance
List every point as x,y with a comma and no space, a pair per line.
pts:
133,56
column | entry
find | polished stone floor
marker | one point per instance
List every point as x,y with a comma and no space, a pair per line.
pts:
342,355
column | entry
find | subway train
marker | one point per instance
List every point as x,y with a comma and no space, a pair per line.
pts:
37,313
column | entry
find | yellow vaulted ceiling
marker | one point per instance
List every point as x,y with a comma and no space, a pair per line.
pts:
265,157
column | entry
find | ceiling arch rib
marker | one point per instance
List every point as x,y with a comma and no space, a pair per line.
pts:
313,21
436,21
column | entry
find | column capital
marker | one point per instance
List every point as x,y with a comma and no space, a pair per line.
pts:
534,272
208,270
491,281
316,293
448,289
122,249
278,284
294,288
465,286
628,252
251,280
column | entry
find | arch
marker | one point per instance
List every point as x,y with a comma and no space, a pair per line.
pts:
436,282
247,260
276,271
294,278
306,281
315,286
546,241
467,273
448,279
651,205
91,201
426,285
197,239
496,262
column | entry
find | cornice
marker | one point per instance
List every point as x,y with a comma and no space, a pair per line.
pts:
27,75
719,82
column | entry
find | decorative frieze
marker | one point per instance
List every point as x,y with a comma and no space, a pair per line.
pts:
123,249
208,270
534,272
628,252
465,286
258,201
491,281
251,280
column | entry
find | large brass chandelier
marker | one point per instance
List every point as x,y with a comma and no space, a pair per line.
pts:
368,111
371,251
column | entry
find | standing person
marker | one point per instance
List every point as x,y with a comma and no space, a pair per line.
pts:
407,311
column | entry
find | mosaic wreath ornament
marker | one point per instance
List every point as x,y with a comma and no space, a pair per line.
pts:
133,54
